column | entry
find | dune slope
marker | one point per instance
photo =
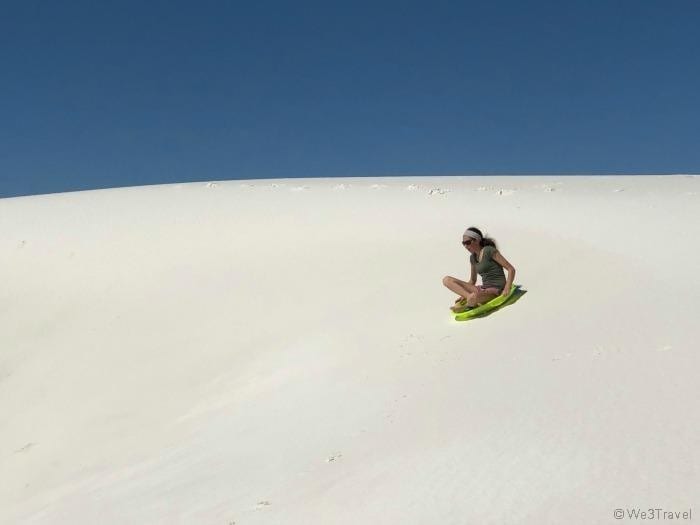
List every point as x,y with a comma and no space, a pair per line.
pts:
281,351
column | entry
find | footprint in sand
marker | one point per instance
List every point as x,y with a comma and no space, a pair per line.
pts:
409,342
212,184
341,186
560,357
549,187
334,457
412,187
378,186
438,191
25,448
263,504
402,397
505,192
604,351
410,338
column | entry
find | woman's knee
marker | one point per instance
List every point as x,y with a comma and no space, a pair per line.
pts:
447,280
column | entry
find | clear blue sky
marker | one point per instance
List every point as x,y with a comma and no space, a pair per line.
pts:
104,94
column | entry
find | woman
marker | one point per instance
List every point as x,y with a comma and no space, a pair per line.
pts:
486,261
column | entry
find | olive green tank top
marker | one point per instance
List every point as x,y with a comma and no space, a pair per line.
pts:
492,274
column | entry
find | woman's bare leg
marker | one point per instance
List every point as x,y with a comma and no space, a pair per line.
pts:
468,291
461,288
481,297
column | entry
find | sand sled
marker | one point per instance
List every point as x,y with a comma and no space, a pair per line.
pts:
489,306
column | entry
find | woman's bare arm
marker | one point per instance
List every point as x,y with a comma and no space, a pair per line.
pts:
472,279
498,257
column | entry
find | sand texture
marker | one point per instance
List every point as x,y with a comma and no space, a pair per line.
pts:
282,352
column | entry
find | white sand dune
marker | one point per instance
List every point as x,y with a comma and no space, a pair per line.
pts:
281,351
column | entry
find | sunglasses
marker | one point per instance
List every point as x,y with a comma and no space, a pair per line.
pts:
466,243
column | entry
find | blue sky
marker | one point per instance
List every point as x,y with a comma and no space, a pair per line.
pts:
96,95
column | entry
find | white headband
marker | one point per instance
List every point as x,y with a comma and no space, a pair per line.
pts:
472,234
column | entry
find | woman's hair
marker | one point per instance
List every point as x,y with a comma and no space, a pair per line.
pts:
485,241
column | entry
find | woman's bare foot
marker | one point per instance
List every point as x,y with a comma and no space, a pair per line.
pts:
459,308
460,305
